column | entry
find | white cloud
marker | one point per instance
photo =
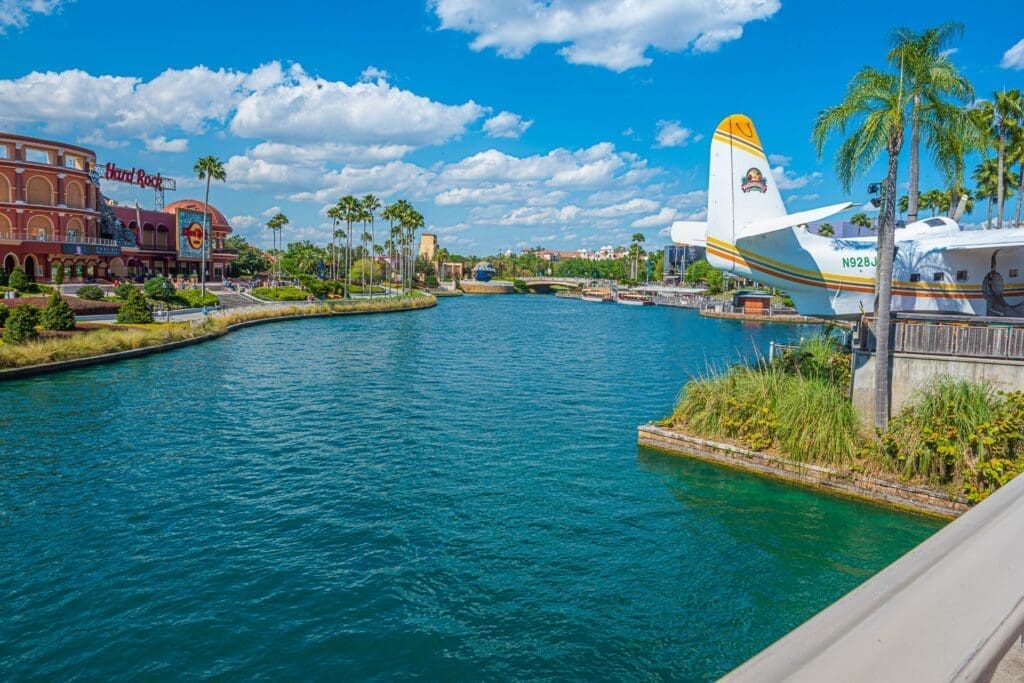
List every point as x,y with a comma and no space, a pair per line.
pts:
529,215
162,144
372,73
672,134
506,125
243,222
385,180
615,34
662,218
787,180
328,152
272,211
631,207
1014,57
504,192
16,13
779,159
592,166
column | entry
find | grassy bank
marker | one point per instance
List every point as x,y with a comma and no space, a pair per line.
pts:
112,339
961,438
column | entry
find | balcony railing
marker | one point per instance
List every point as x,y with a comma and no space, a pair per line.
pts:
55,238
960,336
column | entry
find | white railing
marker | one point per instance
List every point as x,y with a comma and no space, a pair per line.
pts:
949,610
56,238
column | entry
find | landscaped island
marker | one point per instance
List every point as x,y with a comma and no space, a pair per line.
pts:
958,439
98,342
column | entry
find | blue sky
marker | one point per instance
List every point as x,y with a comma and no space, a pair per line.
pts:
506,124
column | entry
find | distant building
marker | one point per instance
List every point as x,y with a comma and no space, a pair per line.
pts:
428,246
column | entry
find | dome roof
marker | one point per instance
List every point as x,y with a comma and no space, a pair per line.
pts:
216,217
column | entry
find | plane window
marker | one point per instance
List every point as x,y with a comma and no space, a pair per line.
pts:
935,222
937,277
1013,272
961,275
915,277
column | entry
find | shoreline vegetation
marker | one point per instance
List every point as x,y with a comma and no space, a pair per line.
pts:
958,439
96,344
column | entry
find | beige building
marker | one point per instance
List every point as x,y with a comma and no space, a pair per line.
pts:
428,246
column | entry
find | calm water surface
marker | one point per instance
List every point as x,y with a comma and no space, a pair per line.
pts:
448,494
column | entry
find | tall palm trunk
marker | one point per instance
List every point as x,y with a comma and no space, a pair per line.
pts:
348,259
883,287
1020,194
206,210
373,254
999,187
988,221
913,195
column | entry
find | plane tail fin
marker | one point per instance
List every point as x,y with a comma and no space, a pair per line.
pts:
741,189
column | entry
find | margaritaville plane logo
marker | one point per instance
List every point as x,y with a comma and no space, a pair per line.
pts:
194,234
753,181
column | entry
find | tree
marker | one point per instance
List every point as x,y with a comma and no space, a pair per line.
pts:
987,182
1015,152
20,325
250,260
874,106
276,225
57,315
903,205
635,251
861,220
336,215
208,168
371,205
158,288
135,310
58,274
350,211
928,78
826,230
1000,116
18,280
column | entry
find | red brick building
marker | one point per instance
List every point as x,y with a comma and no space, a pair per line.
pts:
52,211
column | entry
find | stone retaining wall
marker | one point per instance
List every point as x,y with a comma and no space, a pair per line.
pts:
850,484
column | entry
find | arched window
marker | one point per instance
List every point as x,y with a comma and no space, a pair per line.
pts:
75,195
39,191
5,227
40,228
73,231
5,189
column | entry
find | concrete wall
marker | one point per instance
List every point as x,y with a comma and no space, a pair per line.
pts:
910,372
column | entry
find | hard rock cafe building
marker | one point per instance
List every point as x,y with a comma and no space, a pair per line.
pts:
52,212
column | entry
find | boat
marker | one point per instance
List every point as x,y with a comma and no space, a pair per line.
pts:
483,272
634,299
596,295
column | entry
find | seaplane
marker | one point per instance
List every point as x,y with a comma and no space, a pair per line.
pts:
938,266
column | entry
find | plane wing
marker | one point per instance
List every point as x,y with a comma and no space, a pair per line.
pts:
969,240
790,220
690,233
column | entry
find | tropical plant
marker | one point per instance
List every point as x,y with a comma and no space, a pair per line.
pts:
20,325
1001,115
57,315
58,274
826,230
874,106
276,226
4,312
371,205
350,211
990,184
861,220
135,310
208,168
1015,153
928,78
904,203
337,215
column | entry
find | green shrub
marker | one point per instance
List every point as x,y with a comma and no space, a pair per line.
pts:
123,289
193,298
520,286
18,280
58,274
159,288
57,315
135,310
280,294
4,277
431,281
90,292
20,325
4,312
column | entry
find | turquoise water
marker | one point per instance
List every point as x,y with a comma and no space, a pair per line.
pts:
447,494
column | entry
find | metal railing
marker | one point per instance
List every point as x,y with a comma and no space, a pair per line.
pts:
55,238
722,307
963,337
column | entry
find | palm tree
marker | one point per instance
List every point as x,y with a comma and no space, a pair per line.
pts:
336,214
208,168
903,205
932,199
635,251
1015,152
929,77
371,205
861,220
1000,116
442,255
276,224
350,211
875,104
826,230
